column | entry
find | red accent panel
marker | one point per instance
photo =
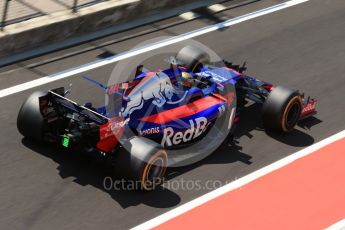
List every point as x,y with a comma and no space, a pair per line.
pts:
233,70
219,96
109,134
267,87
308,108
147,77
228,98
183,111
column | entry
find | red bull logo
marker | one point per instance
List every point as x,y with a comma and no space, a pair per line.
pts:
157,87
197,127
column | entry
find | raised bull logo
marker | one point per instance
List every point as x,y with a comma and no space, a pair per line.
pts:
157,87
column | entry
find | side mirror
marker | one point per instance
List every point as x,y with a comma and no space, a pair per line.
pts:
139,70
243,67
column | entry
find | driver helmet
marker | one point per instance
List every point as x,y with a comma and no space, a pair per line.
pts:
186,79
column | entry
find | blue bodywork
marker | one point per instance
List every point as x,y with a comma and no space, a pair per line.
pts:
157,105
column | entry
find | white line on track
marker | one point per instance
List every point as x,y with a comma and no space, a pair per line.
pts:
241,182
337,226
144,49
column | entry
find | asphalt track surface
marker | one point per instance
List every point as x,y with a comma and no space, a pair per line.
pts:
301,47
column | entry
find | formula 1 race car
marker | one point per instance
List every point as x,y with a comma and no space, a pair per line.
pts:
159,111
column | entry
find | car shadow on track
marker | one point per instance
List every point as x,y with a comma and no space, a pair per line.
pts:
251,120
88,171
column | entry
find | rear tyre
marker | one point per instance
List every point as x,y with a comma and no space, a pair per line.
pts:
30,122
143,161
282,109
192,58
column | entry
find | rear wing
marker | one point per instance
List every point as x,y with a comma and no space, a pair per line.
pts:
57,98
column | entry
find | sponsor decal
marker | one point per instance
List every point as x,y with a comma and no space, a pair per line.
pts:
149,131
309,107
116,125
216,77
113,127
197,127
157,87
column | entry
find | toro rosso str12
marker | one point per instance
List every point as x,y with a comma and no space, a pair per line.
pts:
158,111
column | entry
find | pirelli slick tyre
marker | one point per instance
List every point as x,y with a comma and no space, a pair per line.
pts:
282,109
145,162
192,58
30,122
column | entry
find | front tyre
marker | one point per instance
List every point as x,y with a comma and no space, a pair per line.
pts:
282,109
192,58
